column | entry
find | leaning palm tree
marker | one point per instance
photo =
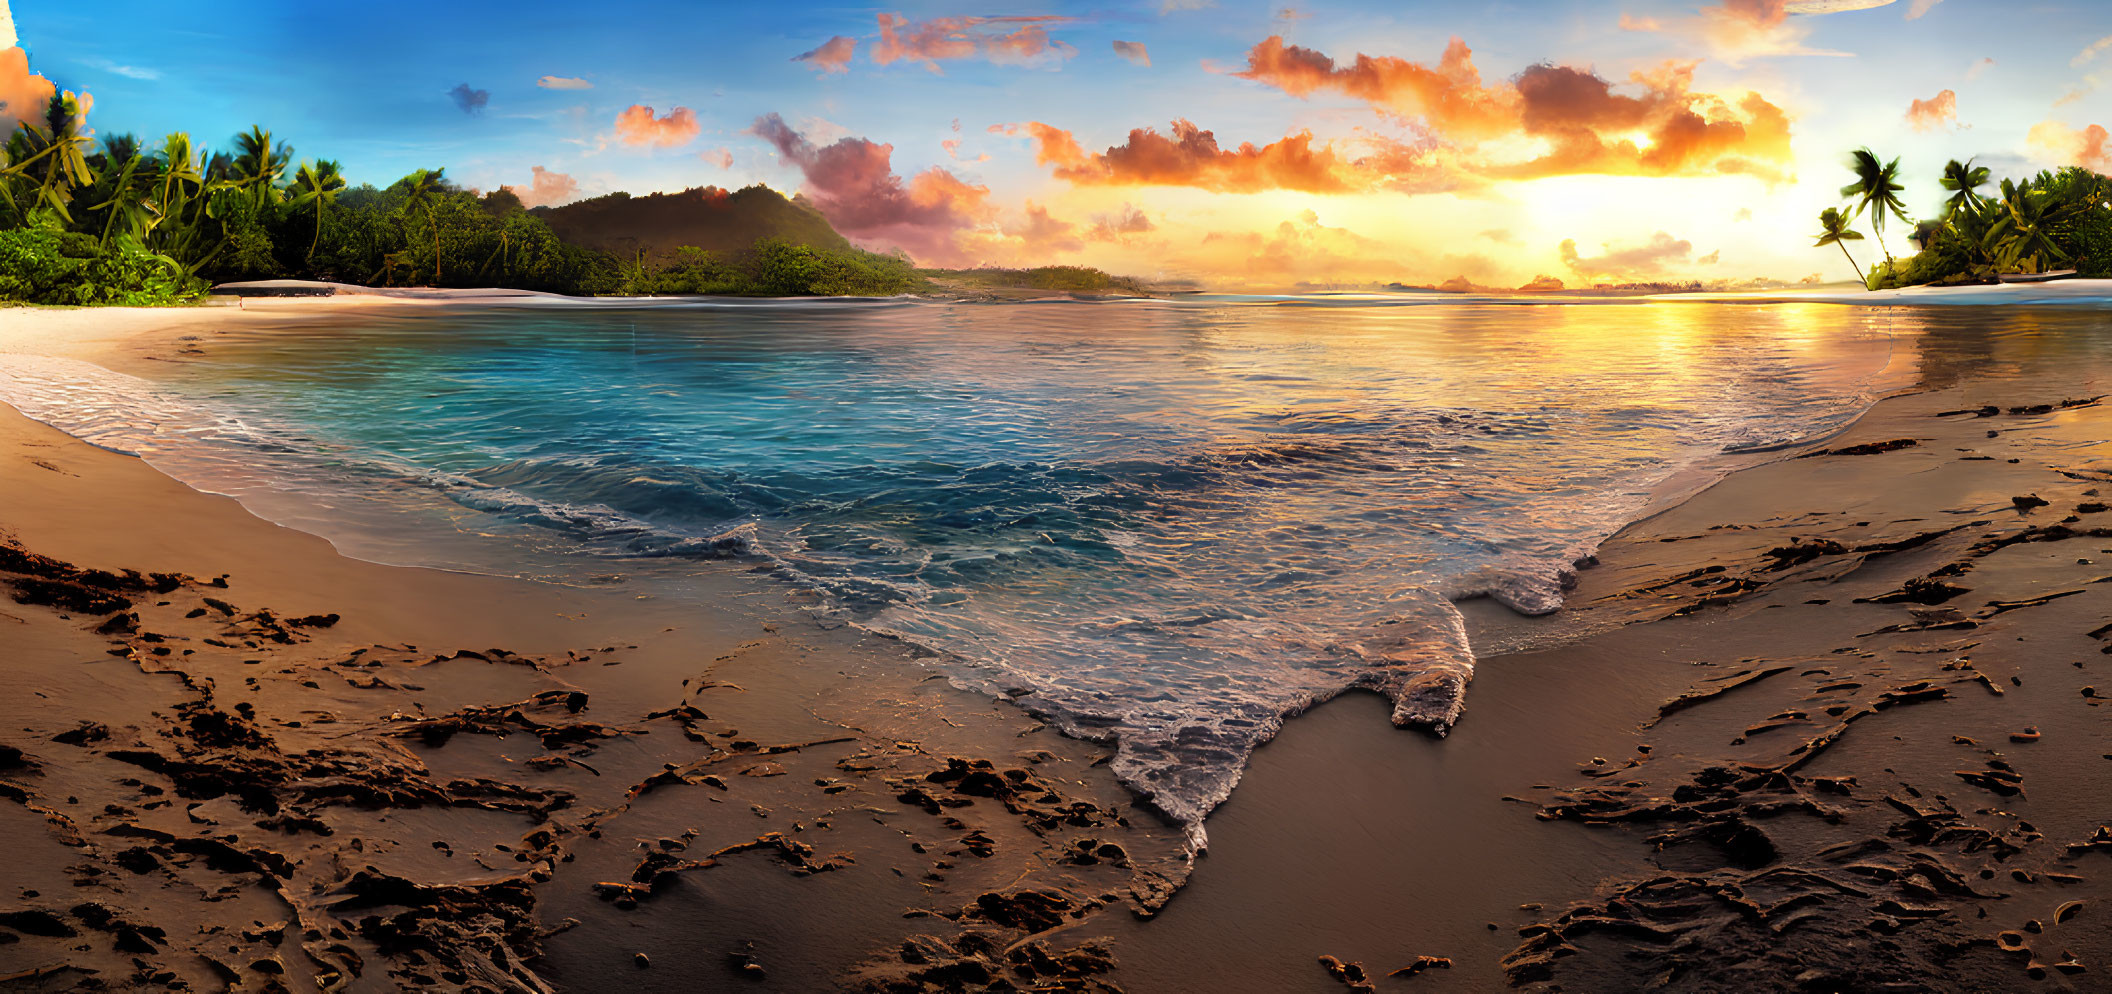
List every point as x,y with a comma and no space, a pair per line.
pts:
1834,230
317,184
259,165
1962,179
1876,189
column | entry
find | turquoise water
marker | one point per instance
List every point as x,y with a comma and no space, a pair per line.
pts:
1170,523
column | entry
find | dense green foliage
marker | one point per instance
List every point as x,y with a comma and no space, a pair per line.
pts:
123,222
775,267
1067,279
41,262
126,223
2056,219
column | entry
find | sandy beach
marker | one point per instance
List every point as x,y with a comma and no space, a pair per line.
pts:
1840,728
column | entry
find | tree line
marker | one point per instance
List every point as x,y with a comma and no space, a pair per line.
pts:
119,221
2055,219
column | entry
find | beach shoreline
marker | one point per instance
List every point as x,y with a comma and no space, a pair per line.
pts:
512,770
1333,814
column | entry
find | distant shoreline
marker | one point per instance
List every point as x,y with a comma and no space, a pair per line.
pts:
2061,292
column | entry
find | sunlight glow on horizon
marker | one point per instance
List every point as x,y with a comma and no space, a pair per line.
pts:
1444,206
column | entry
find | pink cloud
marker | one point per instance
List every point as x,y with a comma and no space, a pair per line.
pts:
546,189
854,184
1027,41
830,56
1133,51
1644,261
1042,233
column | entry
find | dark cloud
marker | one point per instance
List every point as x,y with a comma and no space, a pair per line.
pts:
471,100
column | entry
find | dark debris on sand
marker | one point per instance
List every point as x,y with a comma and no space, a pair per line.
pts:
231,827
1784,865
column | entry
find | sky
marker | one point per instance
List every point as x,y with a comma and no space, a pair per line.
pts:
1236,143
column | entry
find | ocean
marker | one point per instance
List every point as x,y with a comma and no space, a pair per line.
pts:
1166,523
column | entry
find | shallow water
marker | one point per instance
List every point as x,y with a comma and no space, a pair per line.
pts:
1171,523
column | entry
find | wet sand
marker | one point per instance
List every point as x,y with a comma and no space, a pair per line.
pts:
1776,784
1849,738
233,758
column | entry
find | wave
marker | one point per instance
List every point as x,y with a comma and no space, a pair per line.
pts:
1177,584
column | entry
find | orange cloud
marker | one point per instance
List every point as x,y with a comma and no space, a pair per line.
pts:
1191,156
1448,98
1303,250
1665,130
546,189
1120,226
853,182
830,56
1134,51
1644,261
636,125
23,94
2088,148
1027,41
1740,28
1934,114
1629,23
1752,13
1039,232
720,157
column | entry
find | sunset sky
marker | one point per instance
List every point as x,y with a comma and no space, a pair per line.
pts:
1237,142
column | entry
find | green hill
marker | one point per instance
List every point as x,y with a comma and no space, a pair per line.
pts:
708,218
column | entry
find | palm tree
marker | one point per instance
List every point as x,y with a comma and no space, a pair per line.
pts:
62,150
2021,233
1834,230
318,184
423,189
1962,179
180,199
131,188
1877,188
259,165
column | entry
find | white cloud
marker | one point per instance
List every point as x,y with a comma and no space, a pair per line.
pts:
129,72
563,83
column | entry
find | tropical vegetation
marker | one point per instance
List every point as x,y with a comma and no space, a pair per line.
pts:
2057,219
120,221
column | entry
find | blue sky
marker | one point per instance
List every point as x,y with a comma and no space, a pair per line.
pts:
369,85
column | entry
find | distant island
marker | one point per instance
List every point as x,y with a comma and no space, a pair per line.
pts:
118,221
